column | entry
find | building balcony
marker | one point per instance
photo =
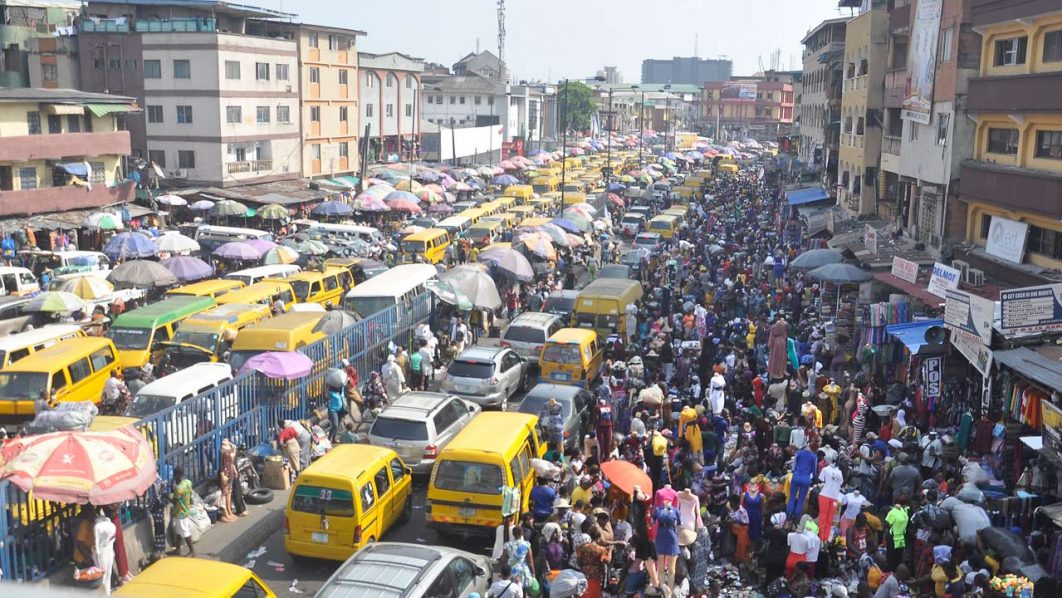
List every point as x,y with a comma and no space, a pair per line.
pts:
23,148
249,166
59,199
1012,187
895,88
900,18
1016,94
986,12
178,25
891,145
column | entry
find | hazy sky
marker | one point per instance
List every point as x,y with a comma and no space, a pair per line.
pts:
552,39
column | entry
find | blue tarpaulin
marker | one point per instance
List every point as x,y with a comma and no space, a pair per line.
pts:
76,168
799,197
912,335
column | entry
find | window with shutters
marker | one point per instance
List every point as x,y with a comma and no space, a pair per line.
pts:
185,159
232,69
233,114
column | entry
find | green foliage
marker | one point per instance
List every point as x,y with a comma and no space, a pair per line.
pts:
575,105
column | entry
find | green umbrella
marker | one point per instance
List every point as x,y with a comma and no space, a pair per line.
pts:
251,213
273,212
228,207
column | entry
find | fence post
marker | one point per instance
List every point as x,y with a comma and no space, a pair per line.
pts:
7,545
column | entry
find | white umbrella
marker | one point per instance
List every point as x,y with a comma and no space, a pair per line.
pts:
176,243
475,284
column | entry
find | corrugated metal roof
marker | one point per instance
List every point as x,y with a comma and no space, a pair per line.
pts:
36,94
462,83
1042,365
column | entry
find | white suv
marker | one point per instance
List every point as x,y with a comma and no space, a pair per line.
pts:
417,425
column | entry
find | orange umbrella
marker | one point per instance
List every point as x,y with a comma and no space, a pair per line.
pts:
625,476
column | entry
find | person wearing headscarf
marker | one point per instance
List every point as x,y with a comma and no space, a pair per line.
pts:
393,378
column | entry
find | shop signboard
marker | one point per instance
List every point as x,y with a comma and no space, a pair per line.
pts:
1031,309
740,92
969,313
942,279
932,378
922,62
870,239
904,269
971,348
1051,417
1006,239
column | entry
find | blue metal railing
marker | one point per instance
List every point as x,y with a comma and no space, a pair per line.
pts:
35,536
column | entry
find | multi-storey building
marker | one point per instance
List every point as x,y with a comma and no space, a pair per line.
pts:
820,104
758,106
38,45
391,102
1012,188
866,36
61,150
686,70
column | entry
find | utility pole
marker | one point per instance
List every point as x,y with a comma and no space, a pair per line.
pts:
641,128
564,146
453,143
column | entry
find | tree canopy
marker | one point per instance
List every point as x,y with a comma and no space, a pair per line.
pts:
575,105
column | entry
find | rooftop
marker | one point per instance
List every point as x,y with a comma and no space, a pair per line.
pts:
823,25
220,6
465,83
60,96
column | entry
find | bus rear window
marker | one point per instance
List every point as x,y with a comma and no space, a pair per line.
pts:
323,501
464,476
563,354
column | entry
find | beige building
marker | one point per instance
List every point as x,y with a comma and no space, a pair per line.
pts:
866,39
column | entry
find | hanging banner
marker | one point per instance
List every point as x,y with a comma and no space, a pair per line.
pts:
1031,309
870,239
970,314
1006,239
942,279
922,62
932,383
1051,419
904,269
971,348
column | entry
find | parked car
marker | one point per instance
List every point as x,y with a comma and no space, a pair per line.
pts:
574,401
632,224
12,319
528,332
400,570
417,425
561,303
651,241
487,376
621,271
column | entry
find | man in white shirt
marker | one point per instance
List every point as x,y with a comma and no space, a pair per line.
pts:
931,455
798,544
853,503
505,587
832,479
715,393
811,533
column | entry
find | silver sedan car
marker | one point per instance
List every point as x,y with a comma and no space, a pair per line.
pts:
487,376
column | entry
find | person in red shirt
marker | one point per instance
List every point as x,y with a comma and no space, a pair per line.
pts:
288,441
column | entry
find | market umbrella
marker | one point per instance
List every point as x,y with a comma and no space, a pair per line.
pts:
170,199
203,205
367,202
141,274
403,195
56,302
505,179
403,205
281,254
86,286
580,219
332,208
714,249
628,179
474,283
440,208
429,196
411,229
335,321
187,268
840,274
229,207
615,199
311,247
584,207
101,468
510,261
104,221
272,212
279,365
556,234
448,294
540,244
408,185
261,245
176,243
626,475
238,250
458,186
130,245
566,225
809,260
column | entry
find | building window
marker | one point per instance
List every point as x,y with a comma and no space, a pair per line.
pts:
182,69
158,157
154,114
283,114
943,120
1045,241
390,80
343,114
368,109
462,100
233,114
261,71
343,76
453,100
315,40
315,75
409,110
490,100
1003,141
409,81
1010,52
232,69
115,64
860,123
1049,144
33,122
439,100
97,64
152,69
73,123
390,109
99,173
185,159
55,124
945,44
315,114
431,99
315,151
27,177
332,43
344,149
130,65
50,72
282,72
184,115
262,115
986,225
1053,46
478,100
913,135
368,79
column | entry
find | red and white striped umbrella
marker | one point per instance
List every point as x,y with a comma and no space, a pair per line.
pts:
101,468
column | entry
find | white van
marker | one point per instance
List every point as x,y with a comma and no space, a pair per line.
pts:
398,286
18,282
210,236
344,231
183,425
250,276
455,225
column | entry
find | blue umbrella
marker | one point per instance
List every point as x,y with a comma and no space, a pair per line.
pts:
617,187
386,175
406,195
332,208
505,179
567,225
429,176
187,268
474,182
130,245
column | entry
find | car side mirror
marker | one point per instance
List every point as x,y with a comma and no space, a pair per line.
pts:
480,572
471,408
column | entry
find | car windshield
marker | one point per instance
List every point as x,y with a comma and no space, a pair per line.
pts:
22,384
477,234
206,340
466,477
559,305
524,334
301,288
367,306
399,429
631,220
323,501
533,404
563,354
412,246
130,338
145,405
470,369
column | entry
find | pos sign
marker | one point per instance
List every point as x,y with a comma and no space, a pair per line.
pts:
932,378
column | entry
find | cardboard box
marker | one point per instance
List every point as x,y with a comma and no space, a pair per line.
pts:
277,474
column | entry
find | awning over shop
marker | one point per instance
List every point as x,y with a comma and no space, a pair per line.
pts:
1053,512
799,197
1041,365
105,109
65,109
80,169
912,335
912,289
352,181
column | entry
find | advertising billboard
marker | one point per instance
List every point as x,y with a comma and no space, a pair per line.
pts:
922,62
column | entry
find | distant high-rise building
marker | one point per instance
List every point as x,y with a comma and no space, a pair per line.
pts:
690,71
611,74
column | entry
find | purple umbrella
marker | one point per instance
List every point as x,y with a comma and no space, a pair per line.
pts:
261,245
440,208
203,205
505,179
332,208
187,268
284,365
238,250
397,195
130,245
567,225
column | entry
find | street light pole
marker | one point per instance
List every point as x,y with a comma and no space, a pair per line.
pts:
564,146
641,128
608,143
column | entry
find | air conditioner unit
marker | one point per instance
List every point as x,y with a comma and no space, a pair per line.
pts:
180,173
962,267
975,277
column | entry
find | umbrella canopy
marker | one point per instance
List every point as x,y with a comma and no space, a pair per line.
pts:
141,274
332,208
170,199
556,234
368,202
429,196
584,207
238,250
177,243
228,207
626,475
540,244
582,221
272,212
281,254
187,268
403,205
203,205
840,273
311,247
403,195
408,185
56,302
505,179
475,284
104,221
440,208
615,199
458,186
130,245
335,321
509,260
411,229
261,245
101,468
448,294
566,225
86,286
809,260
280,365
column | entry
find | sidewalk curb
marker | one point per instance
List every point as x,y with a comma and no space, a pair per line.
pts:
256,535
